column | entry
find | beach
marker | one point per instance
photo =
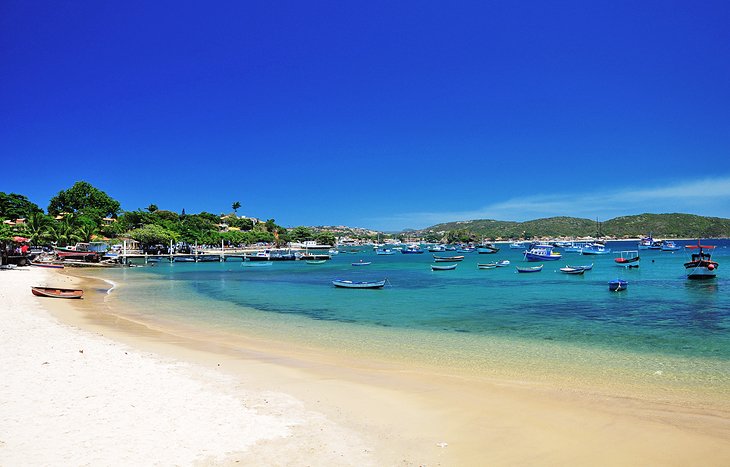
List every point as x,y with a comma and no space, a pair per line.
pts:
89,387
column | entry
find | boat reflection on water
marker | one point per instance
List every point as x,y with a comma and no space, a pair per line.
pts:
701,288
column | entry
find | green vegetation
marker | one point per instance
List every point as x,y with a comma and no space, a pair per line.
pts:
661,225
85,213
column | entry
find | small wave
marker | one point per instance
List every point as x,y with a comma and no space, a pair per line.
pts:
112,284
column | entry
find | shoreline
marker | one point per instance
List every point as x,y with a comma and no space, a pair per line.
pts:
406,414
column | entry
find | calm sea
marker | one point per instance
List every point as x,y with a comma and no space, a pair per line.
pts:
664,330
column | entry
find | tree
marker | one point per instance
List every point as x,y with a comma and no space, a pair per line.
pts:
235,206
326,238
84,198
152,208
301,234
37,228
152,234
15,206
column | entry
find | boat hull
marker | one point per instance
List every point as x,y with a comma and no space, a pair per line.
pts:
529,270
358,285
443,268
54,292
537,257
617,285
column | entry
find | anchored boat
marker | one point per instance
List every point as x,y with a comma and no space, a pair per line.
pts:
438,267
345,284
701,265
628,259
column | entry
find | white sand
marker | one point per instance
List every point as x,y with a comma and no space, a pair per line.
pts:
69,397
114,404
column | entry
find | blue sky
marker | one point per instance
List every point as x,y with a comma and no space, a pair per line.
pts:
386,115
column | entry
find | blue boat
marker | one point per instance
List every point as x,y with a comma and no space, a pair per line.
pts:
668,245
574,247
487,249
529,269
617,285
595,249
542,253
412,250
362,263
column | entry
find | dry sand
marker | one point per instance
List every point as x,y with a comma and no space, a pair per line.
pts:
140,396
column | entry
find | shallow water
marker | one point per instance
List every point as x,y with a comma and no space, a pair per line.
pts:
664,326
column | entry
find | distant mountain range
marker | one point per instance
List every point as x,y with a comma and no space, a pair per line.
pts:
673,225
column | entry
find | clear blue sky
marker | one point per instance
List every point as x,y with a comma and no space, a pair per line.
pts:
386,115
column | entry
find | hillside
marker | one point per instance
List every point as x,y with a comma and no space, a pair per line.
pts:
673,225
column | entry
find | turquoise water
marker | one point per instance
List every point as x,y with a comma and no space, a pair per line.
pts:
662,314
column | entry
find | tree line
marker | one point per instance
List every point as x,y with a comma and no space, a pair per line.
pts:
84,213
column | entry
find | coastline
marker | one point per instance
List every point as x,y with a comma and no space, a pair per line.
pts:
401,414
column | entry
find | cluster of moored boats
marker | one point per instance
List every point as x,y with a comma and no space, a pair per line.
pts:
701,265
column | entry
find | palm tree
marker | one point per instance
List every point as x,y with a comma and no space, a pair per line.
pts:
235,207
86,232
37,228
65,230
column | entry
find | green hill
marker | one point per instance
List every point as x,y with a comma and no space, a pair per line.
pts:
673,225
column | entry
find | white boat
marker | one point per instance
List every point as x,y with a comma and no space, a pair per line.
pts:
518,245
347,284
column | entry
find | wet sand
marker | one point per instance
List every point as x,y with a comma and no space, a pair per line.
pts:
339,410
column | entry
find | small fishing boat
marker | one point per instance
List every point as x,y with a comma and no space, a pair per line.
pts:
315,261
55,292
628,259
384,252
345,284
574,247
487,265
518,245
586,267
542,253
573,271
438,267
617,285
669,245
436,248
447,259
412,250
47,265
503,263
595,249
487,249
701,265
362,263
649,243
529,269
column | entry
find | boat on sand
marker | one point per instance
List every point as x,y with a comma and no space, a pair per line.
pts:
56,292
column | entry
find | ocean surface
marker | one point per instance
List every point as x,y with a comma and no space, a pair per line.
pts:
664,331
